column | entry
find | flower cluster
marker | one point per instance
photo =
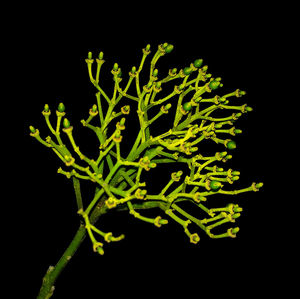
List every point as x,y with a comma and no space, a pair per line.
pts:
118,178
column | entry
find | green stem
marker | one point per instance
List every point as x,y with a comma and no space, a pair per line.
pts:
47,288
49,279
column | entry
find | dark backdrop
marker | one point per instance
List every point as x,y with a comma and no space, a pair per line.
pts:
238,44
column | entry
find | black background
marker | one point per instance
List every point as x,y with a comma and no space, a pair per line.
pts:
239,44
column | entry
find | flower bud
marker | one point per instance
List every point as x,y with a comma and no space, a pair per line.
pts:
230,144
187,106
237,131
181,87
168,106
234,173
164,109
232,232
214,84
198,197
133,69
256,187
122,121
239,93
32,129
101,55
157,87
66,123
46,108
169,48
61,107
198,63
172,72
215,185
116,67
152,165
187,70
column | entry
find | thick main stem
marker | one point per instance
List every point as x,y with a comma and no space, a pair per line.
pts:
49,279
47,288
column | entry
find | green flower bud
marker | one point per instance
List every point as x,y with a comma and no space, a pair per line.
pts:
239,93
118,134
235,230
61,107
133,69
237,131
187,70
223,154
230,144
94,108
214,84
148,47
236,209
168,106
235,178
66,123
248,109
46,108
155,73
122,121
236,215
90,55
198,62
228,157
215,185
116,66
179,173
152,165
101,55
235,172
32,129
158,85
187,106
169,48
193,149
258,185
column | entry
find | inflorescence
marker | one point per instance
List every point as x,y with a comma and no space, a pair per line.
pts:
118,179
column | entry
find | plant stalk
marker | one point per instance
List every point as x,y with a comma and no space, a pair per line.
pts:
47,288
53,272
